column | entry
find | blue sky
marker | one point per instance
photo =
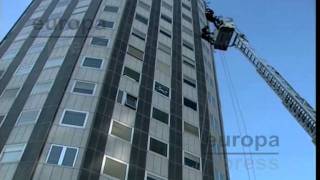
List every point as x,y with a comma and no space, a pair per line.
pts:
283,32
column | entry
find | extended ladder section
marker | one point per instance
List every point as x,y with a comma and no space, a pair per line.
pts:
297,106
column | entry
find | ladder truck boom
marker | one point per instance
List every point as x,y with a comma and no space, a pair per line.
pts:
226,36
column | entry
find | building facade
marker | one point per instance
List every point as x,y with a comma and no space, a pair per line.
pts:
109,89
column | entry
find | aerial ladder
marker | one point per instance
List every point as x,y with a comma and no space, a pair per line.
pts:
226,35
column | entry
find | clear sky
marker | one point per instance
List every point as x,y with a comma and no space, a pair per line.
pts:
283,32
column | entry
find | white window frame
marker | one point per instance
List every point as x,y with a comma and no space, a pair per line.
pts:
157,154
153,174
61,157
26,123
84,58
74,126
4,150
83,94
111,126
120,161
183,163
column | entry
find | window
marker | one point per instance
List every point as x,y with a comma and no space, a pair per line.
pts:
27,117
126,99
10,93
158,147
99,41
137,53
121,131
191,129
137,33
112,9
74,118
105,24
92,62
144,5
188,62
187,102
163,67
188,45
191,161
164,48
153,177
12,153
191,82
24,69
187,30
187,18
114,168
186,6
164,90
53,63
84,87
41,88
165,32
62,155
142,19
160,115
166,18
131,74
166,6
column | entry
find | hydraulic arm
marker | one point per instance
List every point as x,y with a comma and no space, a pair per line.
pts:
226,36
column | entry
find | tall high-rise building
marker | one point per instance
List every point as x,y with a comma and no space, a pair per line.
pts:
110,89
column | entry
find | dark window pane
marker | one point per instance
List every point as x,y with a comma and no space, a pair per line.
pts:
74,118
158,147
191,82
99,41
131,102
186,6
137,53
54,155
137,33
160,115
92,62
187,18
69,157
166,18
113,9
84,87
191,161
144,5
105,24
187,102
131,73
166,5
142,19
188,45
165,32
162,89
